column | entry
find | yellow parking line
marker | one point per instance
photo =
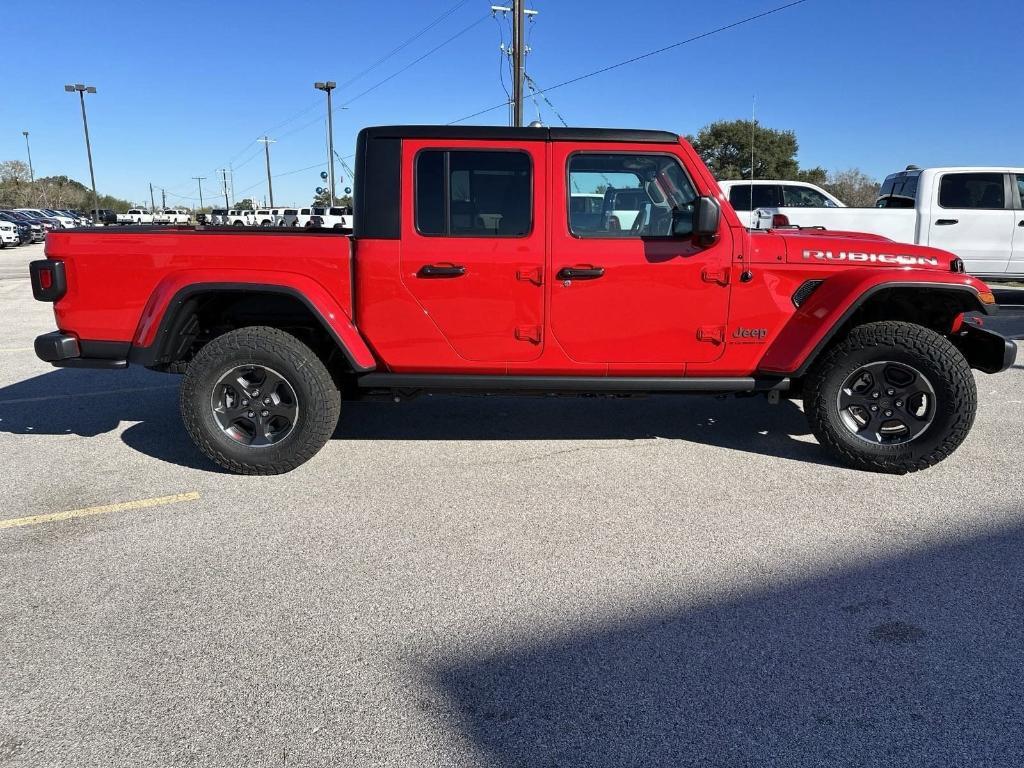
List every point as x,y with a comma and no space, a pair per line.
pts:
159,501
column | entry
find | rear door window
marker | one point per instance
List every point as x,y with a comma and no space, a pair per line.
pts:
981,191
1020,190
469,193
794,196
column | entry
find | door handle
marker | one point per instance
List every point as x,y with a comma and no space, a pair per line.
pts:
580,273
441,270
946,222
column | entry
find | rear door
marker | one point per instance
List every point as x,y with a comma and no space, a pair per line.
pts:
971,217
473,243
638,295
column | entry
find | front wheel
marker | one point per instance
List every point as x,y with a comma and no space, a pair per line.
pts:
258,401
891,397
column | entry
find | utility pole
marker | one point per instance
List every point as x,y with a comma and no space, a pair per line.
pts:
266,142
200,180
82,90
152,202
518,60
163,199
519,50
327,87
31,173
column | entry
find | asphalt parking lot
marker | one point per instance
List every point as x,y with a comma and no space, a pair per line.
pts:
497,582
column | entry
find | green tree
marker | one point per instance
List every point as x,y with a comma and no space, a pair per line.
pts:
244,205
853,187
725,146
323,199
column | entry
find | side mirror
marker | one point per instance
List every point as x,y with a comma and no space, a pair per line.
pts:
699,220
707,216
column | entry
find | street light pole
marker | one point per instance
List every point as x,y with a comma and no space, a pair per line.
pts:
82,90
329,86
266,142
31,173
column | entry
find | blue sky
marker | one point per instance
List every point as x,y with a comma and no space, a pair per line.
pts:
187,87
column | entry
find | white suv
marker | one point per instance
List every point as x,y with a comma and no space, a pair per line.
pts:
8,234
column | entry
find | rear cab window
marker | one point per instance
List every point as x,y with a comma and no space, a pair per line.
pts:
796,196
899,190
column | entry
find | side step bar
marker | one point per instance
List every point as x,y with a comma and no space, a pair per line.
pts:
621,384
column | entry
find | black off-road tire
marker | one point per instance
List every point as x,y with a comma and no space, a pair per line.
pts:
930,353
318,400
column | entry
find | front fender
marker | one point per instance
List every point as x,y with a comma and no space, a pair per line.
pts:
823,314
175,289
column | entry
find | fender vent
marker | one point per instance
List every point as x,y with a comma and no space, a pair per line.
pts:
804,291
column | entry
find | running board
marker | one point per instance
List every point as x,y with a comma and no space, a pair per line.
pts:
623,384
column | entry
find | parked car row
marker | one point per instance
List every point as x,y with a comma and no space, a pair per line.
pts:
30,225
334,217
163,216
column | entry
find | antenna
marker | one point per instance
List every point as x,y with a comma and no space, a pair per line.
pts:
753,125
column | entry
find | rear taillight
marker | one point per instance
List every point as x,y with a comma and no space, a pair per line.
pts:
779,220
48,279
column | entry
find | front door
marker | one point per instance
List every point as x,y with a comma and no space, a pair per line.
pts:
624,289
1017,255
972,220
473,245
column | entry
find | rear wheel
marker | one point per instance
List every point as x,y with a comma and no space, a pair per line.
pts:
258,401
891,397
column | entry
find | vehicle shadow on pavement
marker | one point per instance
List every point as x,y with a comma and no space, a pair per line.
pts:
740,423
94,402
68,401
909,661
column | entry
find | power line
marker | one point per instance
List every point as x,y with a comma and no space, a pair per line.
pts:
414,62
647,55
404,45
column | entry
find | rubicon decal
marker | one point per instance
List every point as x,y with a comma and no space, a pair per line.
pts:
877,258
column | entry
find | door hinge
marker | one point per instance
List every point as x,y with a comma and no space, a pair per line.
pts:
533,275
720,276
530,333
711,333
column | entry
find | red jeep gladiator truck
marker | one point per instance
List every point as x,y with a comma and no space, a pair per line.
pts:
531,260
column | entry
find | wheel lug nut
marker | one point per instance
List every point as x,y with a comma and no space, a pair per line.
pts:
890,392
899,403
255,393
875,395
888,413
245,402
251,414
264,412
874,408
266,401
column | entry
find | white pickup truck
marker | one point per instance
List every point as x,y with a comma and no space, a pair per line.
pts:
975,212
135,216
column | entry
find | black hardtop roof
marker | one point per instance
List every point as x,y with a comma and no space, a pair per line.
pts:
505,133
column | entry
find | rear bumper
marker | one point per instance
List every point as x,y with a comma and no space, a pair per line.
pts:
67,351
